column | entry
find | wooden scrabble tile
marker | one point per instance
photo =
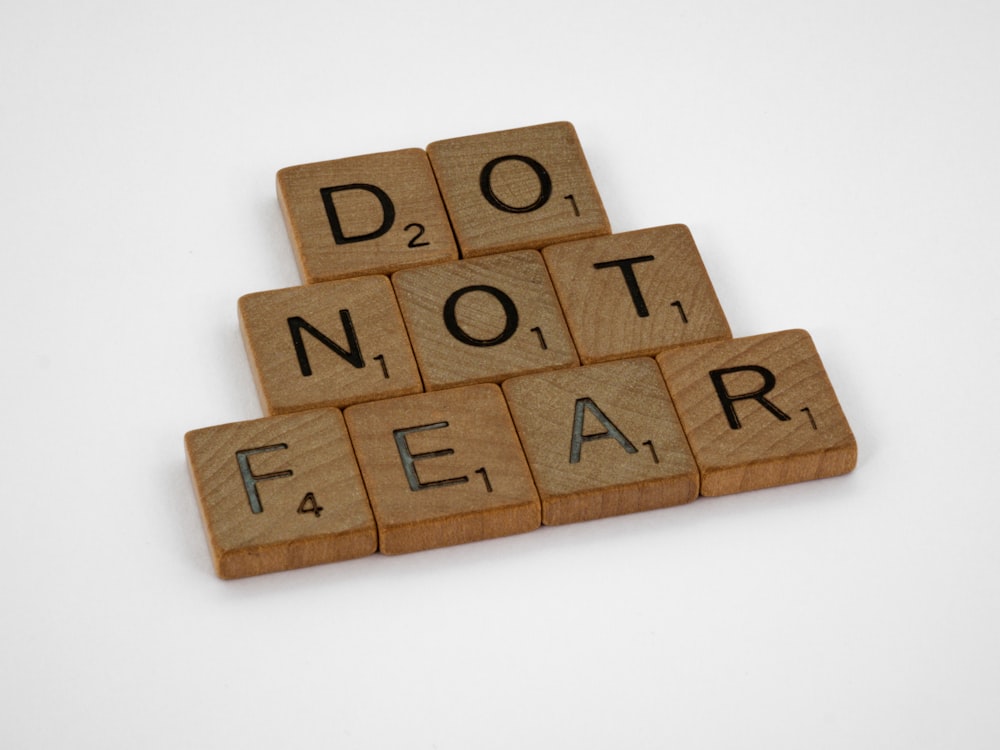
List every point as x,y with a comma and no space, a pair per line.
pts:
280,493
365,215
602,440
483,319
443,468
329,344
635,293
516,189
758,412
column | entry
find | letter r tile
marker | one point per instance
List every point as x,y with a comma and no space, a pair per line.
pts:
280,493
635,293
329,344
758,412
364,215
443,468
602,440
518,189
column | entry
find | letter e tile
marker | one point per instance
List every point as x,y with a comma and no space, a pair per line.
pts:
758,412
518,189
362,215
280,493
329,344
602,440
443,468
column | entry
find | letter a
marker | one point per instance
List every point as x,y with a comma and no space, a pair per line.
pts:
610,431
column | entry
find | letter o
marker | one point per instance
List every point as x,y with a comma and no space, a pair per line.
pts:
545,184
509,309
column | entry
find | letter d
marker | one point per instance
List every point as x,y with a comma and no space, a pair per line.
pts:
388,212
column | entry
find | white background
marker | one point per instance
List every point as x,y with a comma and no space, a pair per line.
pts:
838,165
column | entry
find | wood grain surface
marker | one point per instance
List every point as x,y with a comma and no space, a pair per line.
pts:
279,493
467,412
443,468
758,412
602,440
483,319
367,214
330,344
635,293
516,189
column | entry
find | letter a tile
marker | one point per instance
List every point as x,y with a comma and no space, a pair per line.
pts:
443,468
280,493
364,215
518,189
602,440
635,293
758,412
330,344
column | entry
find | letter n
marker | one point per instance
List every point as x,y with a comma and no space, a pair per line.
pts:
352,353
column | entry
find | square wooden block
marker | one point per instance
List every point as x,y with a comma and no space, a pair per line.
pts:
443,468
483,319
280,493
635,293
330,344
516,189
365,215
602,440
759,412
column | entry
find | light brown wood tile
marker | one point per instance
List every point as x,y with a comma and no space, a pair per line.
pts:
483,319
443,468
280,493
602,440
364,215
516,189
758,412
330,344
635,293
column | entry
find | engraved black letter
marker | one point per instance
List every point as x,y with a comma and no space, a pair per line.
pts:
409,459
727,399
544,192
388,212
250,479
509,309
352,355
610,431
625,265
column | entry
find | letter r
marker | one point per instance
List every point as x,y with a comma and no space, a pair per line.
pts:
728,399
